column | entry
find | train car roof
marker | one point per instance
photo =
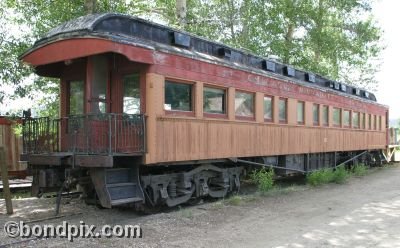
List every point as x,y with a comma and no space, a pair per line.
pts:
128,29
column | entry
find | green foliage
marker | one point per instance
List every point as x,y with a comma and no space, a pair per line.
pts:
264,178
359,170
319,177
338,175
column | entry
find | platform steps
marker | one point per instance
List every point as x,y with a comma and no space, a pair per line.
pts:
117,186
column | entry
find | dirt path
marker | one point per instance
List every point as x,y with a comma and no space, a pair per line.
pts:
365,212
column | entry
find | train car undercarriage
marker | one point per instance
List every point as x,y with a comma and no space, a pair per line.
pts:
171,185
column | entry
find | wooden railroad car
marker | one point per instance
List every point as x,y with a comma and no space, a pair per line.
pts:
154,115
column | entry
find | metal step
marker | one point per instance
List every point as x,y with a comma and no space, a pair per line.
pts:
120,185
126,200
118,175
117,186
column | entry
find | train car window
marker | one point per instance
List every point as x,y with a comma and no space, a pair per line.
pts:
369,122
214,100
316,114
356,120
282,110
375,123
346,118
244,104
99,84
380,123
337,118
178,96
76,97
325,115
362,120
268,109
300,112
131,100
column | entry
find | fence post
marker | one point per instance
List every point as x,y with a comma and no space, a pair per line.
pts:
4,179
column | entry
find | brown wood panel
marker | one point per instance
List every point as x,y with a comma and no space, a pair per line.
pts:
182,139
12,144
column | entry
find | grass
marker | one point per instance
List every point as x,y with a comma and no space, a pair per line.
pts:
324,176
359,170
264,179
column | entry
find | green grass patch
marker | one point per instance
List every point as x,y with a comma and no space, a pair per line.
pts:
264,179
359,170
235,200
324,176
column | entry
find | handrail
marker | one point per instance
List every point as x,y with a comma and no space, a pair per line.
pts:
108,133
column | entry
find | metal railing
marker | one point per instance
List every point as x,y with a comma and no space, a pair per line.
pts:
86,134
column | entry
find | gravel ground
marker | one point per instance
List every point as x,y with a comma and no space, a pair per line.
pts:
364,212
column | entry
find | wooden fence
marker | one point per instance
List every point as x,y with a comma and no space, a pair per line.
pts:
12,144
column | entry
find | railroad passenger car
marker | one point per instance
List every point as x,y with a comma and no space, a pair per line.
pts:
154,115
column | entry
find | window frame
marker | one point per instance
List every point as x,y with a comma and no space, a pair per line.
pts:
340,117
68,95
190,113
225,104
285,121
327,115
272,109
316,123
303,104
353,114
344,124
243,117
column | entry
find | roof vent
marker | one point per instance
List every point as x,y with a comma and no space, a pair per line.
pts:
336,86
180,39
289,71
268,65
357,91
224,52
366,94
310,77
343,87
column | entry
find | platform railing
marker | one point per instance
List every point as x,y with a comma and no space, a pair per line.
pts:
85,134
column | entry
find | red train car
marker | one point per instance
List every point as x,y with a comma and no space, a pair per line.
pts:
154,115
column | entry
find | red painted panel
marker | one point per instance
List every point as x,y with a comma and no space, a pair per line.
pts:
82,47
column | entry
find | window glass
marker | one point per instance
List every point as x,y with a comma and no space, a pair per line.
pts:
356,120
337,117
244,104
362,120
325,115
346,118
369,122
99,84
316,114
268,108
214,100
282,109
178,96
131,100
300,112
76,97
380,122
375,123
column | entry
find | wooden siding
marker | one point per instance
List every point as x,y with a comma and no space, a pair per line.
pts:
12,145
180,139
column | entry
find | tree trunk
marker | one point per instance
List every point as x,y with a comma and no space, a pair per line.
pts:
90,6
181,12
288,43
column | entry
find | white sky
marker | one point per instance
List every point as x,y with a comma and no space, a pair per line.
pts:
387,13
